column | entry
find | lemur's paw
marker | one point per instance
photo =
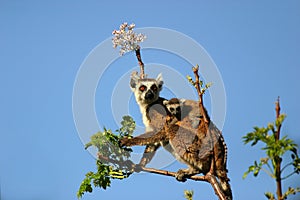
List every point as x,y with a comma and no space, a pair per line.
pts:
180,175
138,168
125,142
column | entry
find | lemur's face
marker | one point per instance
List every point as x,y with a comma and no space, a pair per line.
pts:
146,91
174,109
174,106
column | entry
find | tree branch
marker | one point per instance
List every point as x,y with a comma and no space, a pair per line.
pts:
278,159
277,109
141,64
200,94
146,169
168,173
209,178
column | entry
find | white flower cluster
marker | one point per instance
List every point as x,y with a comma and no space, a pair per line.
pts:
126,38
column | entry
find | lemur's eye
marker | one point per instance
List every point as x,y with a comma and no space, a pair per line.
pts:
142,88
172,109
154,88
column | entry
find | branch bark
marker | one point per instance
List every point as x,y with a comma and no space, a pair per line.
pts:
200,95
141,64
278,159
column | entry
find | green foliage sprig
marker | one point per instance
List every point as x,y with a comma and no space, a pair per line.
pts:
198,84
275,148
199,81
188,194
113,161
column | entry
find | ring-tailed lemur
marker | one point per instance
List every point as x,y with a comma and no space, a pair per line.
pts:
187,143
146,92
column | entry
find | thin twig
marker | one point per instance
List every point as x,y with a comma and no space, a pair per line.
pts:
278,159
287,176
141,64
270,169
277,109
200,94
289,164
268,172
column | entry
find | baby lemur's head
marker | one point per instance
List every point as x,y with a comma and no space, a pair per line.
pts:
174,107
146,91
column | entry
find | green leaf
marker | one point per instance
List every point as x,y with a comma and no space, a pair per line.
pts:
85,185
256,171
291,191
280,119
208,85
270,196
188,194
252,168
189,78
245,174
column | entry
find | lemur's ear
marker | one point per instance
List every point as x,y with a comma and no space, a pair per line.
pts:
160,81
134,80
165,102
181,101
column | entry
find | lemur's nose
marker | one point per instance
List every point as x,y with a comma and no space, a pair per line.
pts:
149,95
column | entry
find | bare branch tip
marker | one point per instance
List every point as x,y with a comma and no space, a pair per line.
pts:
277,107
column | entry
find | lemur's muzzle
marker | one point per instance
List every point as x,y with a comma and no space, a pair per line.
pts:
149,95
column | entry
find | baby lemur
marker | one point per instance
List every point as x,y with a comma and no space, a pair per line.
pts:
175,129
173,109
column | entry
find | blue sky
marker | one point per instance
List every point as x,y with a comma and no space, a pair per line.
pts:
255,46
